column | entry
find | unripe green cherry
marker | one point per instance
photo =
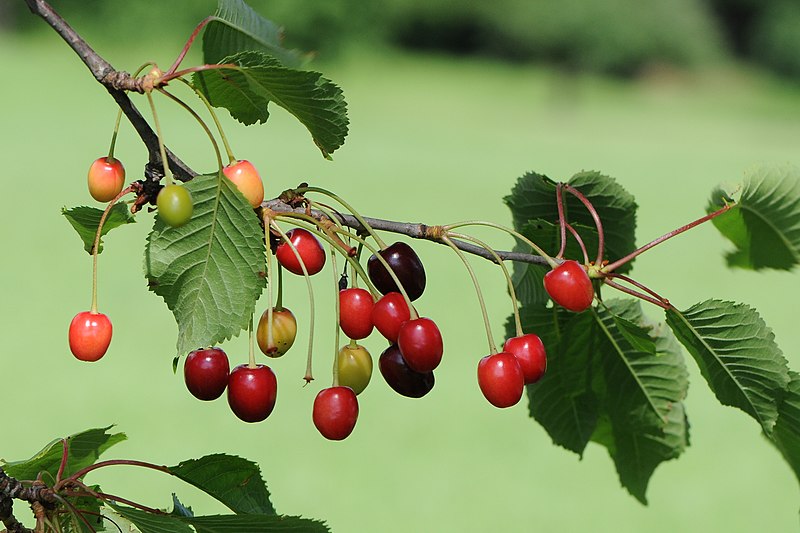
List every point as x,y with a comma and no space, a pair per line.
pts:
354,366
174,205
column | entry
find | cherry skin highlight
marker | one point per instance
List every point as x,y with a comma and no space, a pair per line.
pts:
89,335
309,248
206,372
106,179
252,392
569,286
401,378
335,412
500,379
406,265
354,365
355,313
531,355
245,176
420,342
175,205
389,313
284,332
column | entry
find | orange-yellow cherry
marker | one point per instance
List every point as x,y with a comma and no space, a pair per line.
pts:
106,179
245,176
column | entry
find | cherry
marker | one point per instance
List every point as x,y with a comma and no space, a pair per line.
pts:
420,342
89,335
500,379
284,331
354,365
335,412
406,265
389,313
569,286
106,179
174,205
308,247
400,377
530,353
252,392
245,176
355,312
206,373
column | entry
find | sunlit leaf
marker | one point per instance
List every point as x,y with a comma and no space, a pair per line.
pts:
86,219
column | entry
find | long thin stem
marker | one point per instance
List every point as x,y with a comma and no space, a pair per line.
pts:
270,308
597,222
580,242
200,68
64,457
337,316
637,294
161,148
199,120
114,136
487,325
251,361
188,44
102,464
510,231
96,245
638,285
618,263
562,222
347,206
214,117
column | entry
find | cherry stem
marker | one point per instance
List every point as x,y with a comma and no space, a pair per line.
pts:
338,315
161,147
200,68
512,292
390,270
638,285
270,337
214,117
347,206
78,514
580,242
562,222
598,224
618,263
309,377
102,464
119,115
64,457
188,45
645,297
250,337
460,254
320,228
523,238
199,120
279,300
96,244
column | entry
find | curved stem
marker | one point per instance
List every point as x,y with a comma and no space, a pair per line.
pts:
513,233
512,292
114,136
347,206
337,315
199,120
96,245
637,294
188,44
580,243
214,117
200,68
598,224
638,285
492,347
102,464
562,221
64,457
161,147
309,377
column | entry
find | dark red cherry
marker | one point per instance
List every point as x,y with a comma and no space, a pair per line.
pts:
401,378
529,351
420,342
335,412
500,379
206,373
252,392
406,265
309,249
389,313
569,286
355,312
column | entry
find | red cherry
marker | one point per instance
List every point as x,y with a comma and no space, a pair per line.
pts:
206,373
309,248
500,379
389,313
355,312
402,379
421,344
106,179
252,392
89,335
335,412
569,286
530,353
247,180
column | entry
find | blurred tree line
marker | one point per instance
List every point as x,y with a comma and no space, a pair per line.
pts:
611,36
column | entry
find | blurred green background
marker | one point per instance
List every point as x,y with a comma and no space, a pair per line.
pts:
438,134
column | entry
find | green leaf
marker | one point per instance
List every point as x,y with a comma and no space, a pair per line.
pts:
786,434
234,481
209,271
86,219
178,509
150,522
92,506
236,27
533,198
764,226
737,356
252,523
84,450
257,79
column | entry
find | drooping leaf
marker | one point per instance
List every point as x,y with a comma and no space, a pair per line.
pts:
83,450
234,481
179,509
251,523
86,219
786,435
246,90
764,226
737,356
533,198
235,27
209,271
151,522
